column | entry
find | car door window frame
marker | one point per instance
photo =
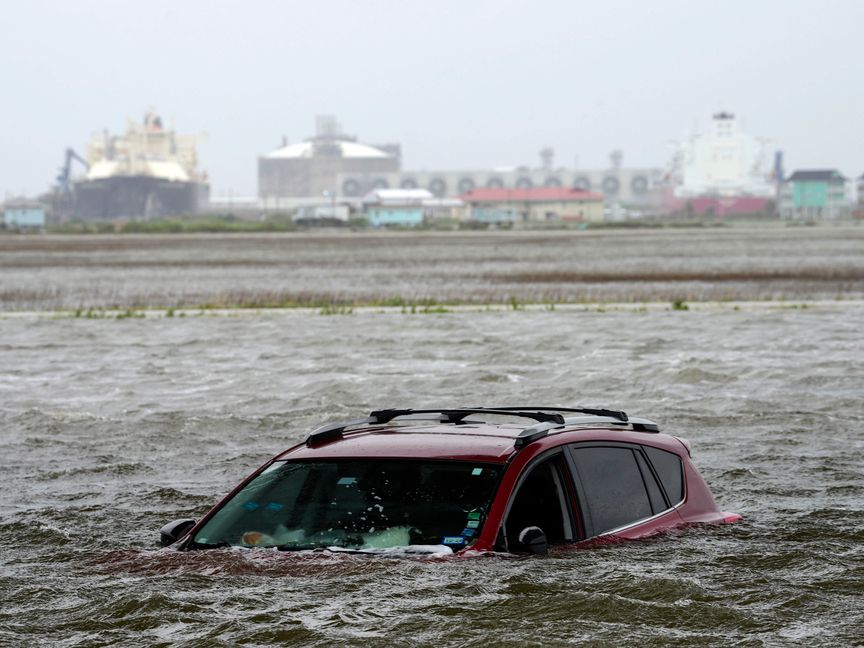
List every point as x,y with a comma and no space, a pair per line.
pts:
563,476
582,502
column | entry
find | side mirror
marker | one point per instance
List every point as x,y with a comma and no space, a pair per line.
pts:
533,540
173,531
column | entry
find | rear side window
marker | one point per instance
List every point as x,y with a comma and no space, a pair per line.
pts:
671,472
612,486
658,504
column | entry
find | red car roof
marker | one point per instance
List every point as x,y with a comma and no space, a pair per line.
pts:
488,443
482,442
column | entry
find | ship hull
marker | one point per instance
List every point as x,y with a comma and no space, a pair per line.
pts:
137,197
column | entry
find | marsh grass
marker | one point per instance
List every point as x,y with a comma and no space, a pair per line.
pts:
216,224
109,313
325,304
680,305
129,314
653,276
336,310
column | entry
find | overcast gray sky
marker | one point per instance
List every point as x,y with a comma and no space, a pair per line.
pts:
460,84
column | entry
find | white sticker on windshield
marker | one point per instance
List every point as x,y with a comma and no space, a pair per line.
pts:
477,471
346,481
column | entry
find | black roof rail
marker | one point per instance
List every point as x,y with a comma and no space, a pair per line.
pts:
458,415
334,430
634,423
617,414
535,432
644,425
547,418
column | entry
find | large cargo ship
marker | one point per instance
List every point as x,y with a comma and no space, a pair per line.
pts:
149,172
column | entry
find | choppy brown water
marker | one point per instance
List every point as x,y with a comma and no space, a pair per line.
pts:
57,272
109,428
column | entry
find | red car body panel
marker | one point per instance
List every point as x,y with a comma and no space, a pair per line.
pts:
495,444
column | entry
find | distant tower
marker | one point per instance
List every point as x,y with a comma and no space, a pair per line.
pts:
326,127
778,172
547,158
616,157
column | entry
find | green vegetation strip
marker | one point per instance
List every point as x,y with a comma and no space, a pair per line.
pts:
789,274
426,307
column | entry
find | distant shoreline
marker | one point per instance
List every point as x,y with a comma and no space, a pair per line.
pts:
227,225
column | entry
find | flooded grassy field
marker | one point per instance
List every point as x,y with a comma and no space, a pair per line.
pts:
111,427
391,268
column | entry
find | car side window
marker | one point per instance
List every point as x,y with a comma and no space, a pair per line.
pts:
670,470
612,486
541,500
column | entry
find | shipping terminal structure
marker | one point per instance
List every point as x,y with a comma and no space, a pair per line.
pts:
336,165
149,172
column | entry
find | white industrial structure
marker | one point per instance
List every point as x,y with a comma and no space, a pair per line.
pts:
618,184
722,162
310,168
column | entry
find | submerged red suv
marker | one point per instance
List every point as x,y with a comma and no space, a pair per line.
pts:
513,479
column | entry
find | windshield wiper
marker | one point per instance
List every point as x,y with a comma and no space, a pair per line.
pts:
222,544
290,546
405,550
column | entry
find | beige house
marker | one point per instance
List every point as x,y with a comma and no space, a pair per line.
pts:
539,204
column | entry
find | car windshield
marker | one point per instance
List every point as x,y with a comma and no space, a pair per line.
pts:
356,505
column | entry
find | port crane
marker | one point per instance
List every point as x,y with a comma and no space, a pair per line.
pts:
63,187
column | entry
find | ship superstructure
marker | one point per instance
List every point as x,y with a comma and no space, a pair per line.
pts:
723,161
148,172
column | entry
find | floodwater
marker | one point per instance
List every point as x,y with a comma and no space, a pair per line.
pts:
111,427
150,271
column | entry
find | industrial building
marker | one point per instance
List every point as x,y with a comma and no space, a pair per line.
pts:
618,184
332,162
312,168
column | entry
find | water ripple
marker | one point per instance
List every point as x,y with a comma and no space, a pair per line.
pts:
108,431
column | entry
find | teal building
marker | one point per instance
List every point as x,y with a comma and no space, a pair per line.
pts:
815,194
395,207
23,216
404,215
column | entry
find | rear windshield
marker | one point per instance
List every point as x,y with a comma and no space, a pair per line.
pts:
356,505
